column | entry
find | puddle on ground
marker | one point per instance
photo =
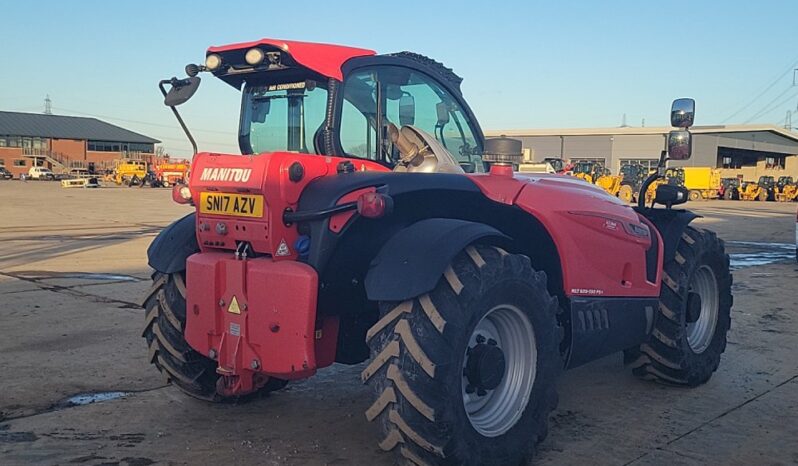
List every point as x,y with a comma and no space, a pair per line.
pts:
751,253
89,398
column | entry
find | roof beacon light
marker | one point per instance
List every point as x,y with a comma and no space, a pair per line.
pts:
213,62
254,56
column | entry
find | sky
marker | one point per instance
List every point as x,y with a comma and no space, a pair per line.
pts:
525,64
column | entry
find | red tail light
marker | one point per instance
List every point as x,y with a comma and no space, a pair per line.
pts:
181,194
374,205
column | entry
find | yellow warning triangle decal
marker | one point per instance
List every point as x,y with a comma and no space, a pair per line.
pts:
234,309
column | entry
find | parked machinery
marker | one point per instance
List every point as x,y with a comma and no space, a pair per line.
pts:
129,172
762,190
701,182
786,189
632,176
729,189
597,174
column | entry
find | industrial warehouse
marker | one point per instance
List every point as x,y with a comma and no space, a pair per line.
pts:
738,151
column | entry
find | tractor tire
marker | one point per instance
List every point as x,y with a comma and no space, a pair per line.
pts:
695,196
693,317
165,321
439,397
626,193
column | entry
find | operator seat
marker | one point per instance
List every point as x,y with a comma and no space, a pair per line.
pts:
420,152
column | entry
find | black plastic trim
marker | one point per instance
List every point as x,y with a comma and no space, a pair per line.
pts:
413,260
170,249
671,223
602,326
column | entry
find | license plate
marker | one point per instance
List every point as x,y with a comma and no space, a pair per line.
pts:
236,205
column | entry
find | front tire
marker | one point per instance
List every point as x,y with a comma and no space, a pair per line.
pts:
165,321
439,394
693,317
695,195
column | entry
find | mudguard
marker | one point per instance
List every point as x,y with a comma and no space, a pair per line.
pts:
671,224
413,260
170,249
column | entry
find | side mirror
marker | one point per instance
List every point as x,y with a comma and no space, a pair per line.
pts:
181,91
260,109
407,110
683,113
443,113
669,195
680,145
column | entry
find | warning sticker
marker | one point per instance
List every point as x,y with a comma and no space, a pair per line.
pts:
234,308
282,249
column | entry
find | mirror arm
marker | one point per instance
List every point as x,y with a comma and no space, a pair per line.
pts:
641,197
174,81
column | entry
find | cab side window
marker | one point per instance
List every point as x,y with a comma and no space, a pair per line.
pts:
425,104
406,97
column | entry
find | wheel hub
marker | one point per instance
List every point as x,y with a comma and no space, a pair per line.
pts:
499,366
485,367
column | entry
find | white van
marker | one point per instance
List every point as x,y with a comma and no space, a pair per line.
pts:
40,173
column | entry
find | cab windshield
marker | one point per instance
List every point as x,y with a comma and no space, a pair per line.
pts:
282,117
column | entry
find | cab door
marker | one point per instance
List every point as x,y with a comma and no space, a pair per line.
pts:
376,96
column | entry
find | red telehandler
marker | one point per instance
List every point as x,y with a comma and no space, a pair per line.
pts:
368,220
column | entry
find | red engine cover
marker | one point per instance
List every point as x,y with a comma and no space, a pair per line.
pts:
601,241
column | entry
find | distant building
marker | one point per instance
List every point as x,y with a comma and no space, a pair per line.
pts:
748,151
62,142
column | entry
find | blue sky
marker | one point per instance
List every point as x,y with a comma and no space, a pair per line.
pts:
525,64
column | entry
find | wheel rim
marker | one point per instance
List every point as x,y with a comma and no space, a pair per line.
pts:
700,332
494,411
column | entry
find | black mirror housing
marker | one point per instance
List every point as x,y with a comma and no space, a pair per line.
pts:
683,113
181,91
669,195
680,145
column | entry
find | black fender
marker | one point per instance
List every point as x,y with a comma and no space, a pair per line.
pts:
412,261
170,249
670,224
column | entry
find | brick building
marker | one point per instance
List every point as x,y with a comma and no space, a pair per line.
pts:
63,142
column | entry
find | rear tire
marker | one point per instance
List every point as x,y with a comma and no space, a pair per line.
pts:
626,193
685,346
424,363
696,195
165,321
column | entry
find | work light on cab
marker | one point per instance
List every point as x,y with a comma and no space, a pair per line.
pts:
213,62
254,56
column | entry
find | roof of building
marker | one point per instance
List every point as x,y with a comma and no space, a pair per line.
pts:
643,131
66,127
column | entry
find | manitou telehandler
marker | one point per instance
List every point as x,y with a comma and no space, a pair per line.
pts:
367,220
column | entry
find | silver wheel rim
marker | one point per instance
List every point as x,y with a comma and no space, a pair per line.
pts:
500,409
700,332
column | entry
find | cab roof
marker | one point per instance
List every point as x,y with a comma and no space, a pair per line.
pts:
325,59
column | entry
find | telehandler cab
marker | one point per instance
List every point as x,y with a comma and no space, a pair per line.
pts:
369,221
